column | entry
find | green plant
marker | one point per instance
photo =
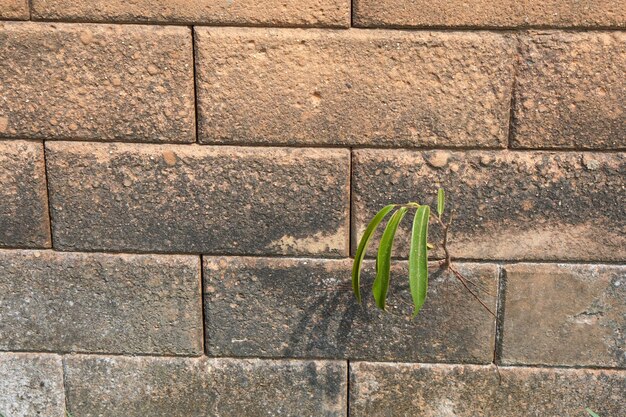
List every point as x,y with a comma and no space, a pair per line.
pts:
591,413
418,252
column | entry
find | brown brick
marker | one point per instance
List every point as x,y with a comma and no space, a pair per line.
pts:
324,13
24,220
570,91
509,205
165,387
189,198
395,389
384,88
73,302
489,13
305,308
14,9
31,385
558,314
101,82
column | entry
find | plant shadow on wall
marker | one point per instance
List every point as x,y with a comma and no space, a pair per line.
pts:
330,322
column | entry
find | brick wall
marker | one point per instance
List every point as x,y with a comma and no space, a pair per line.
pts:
183,183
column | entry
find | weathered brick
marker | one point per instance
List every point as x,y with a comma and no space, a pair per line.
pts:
24,220
570,91
560,314
509,205
305,308
31,385
145,386
489,13
73,302
324,13
14,9
101,82
162,198
396,389
384,88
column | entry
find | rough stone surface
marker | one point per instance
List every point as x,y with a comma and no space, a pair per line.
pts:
570,91
558,314
73,302
407,390
165,387
14,9
384,88
196,199
323,13
31,385
305,308
509,205
489,13
102,82
24,220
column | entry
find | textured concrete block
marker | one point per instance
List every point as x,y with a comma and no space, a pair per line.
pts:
199,199
489,13
383,88
14,9
563,314
72,302
165,387
396,389
305,308
31,385
509,205
570,91
101,82
24,220
324,13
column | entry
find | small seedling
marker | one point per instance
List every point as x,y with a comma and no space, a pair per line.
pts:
591,413
418,252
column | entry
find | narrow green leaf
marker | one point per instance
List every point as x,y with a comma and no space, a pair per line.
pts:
381,283
418,258
591,413
441,201
362,248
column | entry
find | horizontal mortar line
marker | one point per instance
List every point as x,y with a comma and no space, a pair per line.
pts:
337,27
66,354
346,146
491,365
311,257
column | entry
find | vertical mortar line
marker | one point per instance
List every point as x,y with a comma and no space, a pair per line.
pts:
195,82
516,64
48,201
500,305
30,9
350,203
352,13
202,305
65,394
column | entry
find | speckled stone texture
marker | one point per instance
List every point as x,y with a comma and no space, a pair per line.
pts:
31,385
14,9
305,308
77,302
563,314
24,218
101,82
321,13
489,13
199,199
166,387
406,390
570,91
383,88
509,205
